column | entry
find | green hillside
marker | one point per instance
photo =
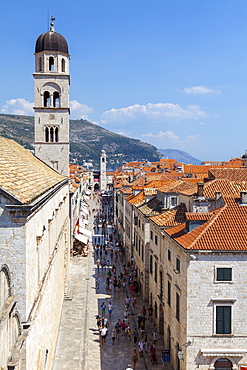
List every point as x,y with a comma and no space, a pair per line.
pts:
86,141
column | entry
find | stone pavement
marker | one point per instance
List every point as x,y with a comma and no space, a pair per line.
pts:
78,345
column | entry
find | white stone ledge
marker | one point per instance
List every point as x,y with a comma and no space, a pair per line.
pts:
223,352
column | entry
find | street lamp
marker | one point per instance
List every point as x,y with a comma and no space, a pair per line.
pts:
180,354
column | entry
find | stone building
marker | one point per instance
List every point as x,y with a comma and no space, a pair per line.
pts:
34,257
103,182
51,100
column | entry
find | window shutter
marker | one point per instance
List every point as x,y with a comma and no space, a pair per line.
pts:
223,320
219,320
227,319
224,274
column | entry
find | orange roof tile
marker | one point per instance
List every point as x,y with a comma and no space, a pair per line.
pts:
170,217
226,230
234,174
138,198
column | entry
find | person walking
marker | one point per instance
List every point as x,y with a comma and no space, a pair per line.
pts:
113,336
135,359
135,335
150,313
154,330
103,334
110,308
103,306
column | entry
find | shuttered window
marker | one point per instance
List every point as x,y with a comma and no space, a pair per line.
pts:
224,274
177,306
223,319
169,293
151,264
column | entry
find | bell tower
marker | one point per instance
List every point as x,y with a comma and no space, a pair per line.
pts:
51,100
103,181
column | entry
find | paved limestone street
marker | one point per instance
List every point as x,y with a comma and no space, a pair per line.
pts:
79,344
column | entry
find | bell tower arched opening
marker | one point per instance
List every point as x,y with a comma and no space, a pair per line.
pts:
51,64
47,99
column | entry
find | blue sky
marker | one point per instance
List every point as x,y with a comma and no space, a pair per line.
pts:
171,73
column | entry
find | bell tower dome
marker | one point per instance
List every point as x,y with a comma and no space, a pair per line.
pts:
51,100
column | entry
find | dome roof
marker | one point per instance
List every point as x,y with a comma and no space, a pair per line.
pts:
51,41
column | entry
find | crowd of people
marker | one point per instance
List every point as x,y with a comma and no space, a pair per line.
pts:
116,276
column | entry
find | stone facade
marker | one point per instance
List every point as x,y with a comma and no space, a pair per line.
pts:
51,108
103,182
34,246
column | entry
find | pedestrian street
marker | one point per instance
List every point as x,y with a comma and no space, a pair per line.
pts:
79,344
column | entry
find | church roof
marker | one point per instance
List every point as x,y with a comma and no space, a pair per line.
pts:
22,175
51,41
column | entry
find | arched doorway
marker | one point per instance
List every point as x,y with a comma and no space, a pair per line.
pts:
96,187
223,364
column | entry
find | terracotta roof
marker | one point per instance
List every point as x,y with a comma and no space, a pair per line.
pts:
138,198
23,175
226,230
170,217
150,208
226,187
198,216
234,174
176,186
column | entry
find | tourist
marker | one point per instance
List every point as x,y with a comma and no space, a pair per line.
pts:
110,308
134,359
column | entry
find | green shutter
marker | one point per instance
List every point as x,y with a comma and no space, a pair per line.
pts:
224,274
223,319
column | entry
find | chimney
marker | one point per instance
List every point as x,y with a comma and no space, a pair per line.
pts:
243,196
200,188
217,195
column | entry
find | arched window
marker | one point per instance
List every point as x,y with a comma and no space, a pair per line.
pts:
51,134
47,99
56,134
63,65
51,64
5,290
40,64
56,100
47,134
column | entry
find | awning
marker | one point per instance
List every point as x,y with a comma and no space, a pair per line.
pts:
85,232
84,211
81,238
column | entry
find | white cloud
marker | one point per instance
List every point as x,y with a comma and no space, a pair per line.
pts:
23,107
157,112
18,106
200,90
193,138
167,134
123,133
79,110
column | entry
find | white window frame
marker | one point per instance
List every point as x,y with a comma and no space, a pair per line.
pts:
223,302
223,281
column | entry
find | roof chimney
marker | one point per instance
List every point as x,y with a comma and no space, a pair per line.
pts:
217,195
200,188
243,196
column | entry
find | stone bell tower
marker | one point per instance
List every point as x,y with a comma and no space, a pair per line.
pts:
51,100
103,170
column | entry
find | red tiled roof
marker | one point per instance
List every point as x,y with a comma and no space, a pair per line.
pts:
170,217
226,230
233,174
